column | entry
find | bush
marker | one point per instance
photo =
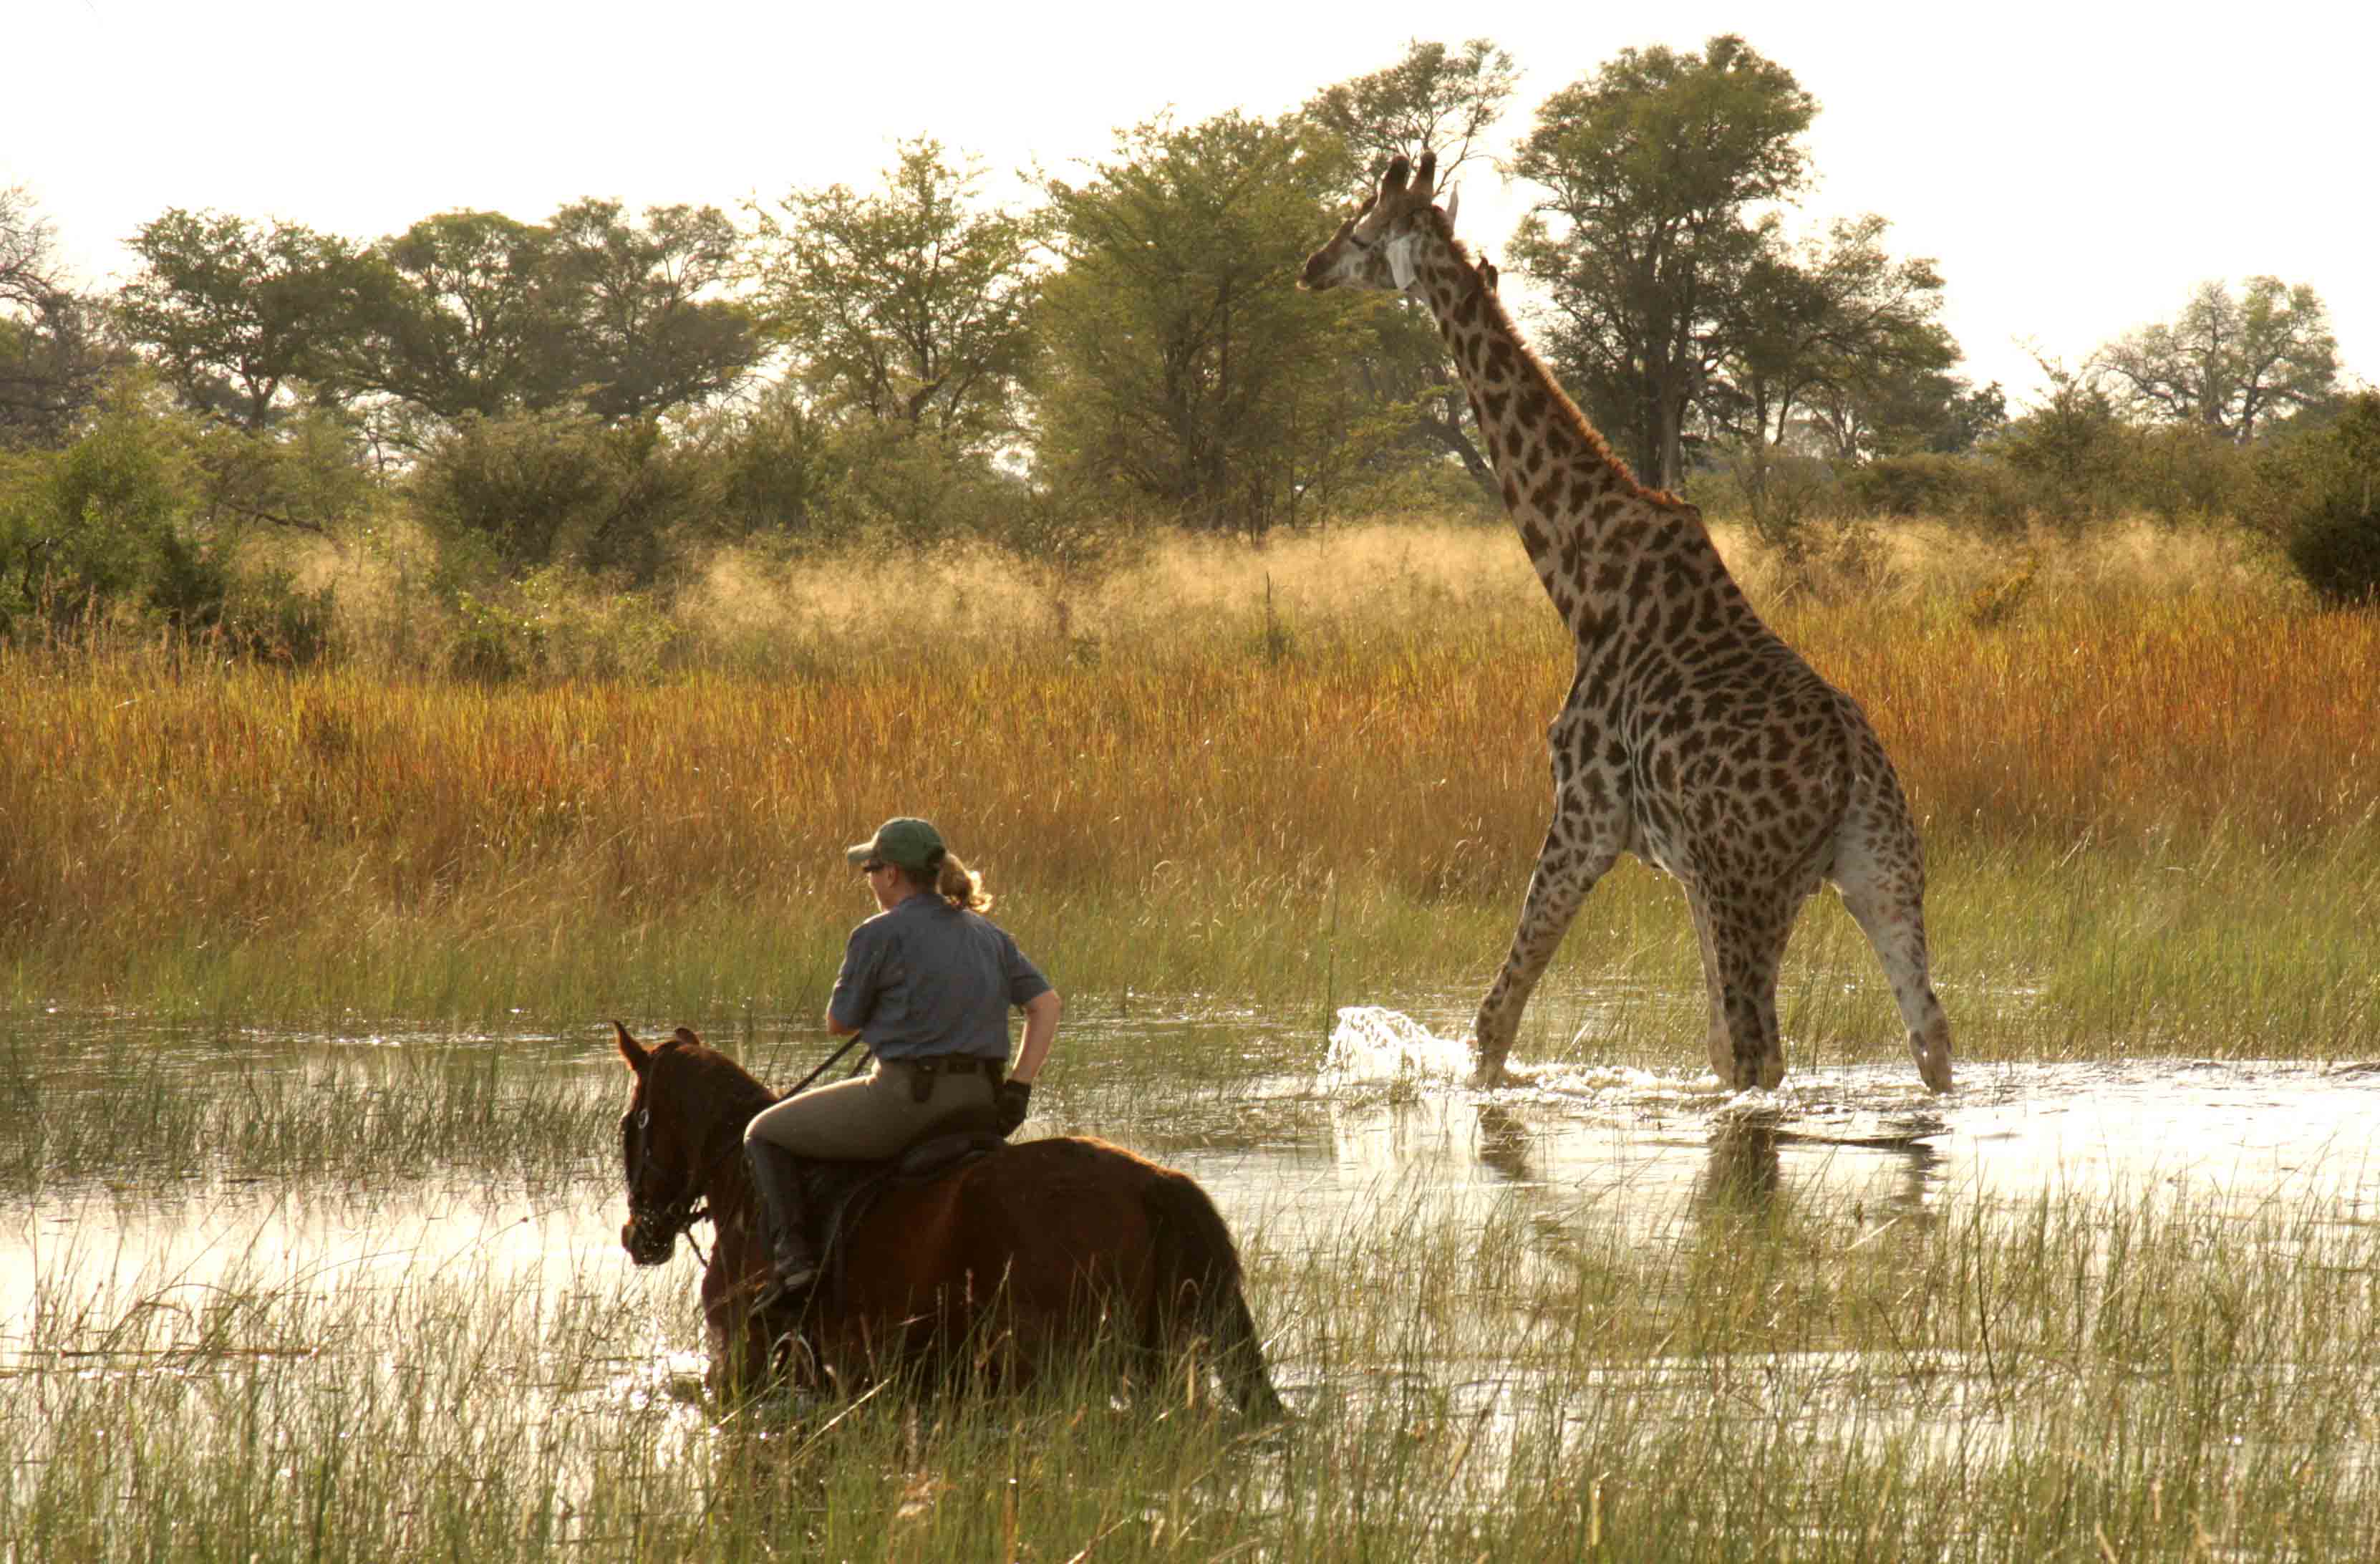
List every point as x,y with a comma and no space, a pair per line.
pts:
558,623
2183,472
560,489
774,466
102,528
2322,494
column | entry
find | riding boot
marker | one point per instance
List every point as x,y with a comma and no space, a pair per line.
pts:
777,1175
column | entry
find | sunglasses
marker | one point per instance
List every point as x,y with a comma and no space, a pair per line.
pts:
874,865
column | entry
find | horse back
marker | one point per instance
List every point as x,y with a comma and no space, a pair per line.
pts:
1031,1218
1050,1240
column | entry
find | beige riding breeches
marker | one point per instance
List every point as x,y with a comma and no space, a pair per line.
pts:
878,1115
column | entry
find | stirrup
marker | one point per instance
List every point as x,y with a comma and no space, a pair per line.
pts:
784,1290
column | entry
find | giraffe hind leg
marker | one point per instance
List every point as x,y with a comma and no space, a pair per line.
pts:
1890,911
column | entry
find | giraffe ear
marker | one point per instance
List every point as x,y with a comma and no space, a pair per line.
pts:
1453,200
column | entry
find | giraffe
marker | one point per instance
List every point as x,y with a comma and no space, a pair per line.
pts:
1693,735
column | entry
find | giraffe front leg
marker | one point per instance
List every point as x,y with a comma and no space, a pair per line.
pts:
1716,1040
1567,870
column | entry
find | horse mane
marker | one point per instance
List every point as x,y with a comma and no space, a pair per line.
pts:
1500,319
718,1079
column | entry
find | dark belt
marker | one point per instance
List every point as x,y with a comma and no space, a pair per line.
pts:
922,1071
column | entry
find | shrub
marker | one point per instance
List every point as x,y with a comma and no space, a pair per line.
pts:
560,489
102,528
558,623
2183,472
2321,492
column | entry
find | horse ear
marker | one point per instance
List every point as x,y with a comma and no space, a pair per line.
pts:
686,1035
635,1053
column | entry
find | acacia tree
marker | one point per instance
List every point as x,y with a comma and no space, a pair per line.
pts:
2230,363
911,306
1433,100
1182,366
455,318
649,326
238,312
1654,166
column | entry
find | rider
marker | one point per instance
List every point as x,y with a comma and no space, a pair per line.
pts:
928,982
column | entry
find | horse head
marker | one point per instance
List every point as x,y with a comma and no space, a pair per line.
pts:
667,1144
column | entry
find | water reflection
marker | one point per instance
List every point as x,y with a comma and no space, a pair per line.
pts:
1378,1128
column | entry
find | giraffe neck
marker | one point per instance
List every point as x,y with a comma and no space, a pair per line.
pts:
1582,516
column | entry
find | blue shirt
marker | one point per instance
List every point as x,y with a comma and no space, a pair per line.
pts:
928,977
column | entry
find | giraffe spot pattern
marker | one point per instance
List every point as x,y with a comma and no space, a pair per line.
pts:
1691,736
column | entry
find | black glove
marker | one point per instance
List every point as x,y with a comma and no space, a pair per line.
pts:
1011,1107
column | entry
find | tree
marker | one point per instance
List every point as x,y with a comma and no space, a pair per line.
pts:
911,306
1841,338
457,316
1652,166
51,356
647,327
238,312
2229,363
1183,367
477,314
1433,100
2070,444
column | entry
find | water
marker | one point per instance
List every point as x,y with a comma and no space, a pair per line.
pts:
1306,1147
1384,1107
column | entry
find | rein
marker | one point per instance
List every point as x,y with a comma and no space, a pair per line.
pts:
676,1219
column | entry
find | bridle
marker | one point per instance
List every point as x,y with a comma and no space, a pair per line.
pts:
656,1226
659,1225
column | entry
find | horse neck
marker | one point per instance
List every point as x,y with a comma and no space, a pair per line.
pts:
726,1182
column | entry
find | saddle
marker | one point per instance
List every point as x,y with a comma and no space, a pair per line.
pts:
837,1195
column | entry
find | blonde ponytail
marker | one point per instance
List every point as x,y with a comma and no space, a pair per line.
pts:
961,886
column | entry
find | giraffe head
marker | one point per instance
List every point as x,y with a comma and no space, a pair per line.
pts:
1373,248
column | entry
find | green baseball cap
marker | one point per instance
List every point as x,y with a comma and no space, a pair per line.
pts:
906,840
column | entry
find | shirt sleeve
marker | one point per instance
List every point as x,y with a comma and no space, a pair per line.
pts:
1025,982
855,987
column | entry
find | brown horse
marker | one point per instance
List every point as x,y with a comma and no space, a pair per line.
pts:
1036,1255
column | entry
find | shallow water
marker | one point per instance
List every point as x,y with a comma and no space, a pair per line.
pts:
1377,1129
1313,1148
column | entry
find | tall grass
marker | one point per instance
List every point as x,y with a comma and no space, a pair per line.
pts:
1304,771
2126,1375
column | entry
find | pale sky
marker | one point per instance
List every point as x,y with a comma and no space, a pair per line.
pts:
2074,169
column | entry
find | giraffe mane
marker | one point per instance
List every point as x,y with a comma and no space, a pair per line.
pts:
1564,409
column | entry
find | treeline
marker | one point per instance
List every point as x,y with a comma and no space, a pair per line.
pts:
613,395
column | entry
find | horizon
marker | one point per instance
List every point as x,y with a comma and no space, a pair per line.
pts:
2115,234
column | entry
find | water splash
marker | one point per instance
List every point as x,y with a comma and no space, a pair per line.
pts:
1372,1044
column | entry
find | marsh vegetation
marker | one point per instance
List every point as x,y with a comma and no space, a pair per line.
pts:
307,1194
